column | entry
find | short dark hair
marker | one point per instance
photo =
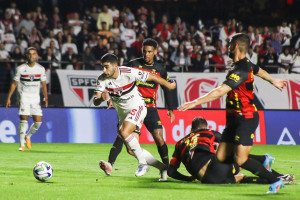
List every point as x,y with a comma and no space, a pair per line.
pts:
150,42
243,40
199,123
29,49
109,57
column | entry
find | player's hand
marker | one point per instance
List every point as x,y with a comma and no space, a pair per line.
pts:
172,85
187,105
105,95
279,84
7,103
109,104
171,115
46,102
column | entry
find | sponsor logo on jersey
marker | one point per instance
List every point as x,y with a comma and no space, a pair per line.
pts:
83,87
234,77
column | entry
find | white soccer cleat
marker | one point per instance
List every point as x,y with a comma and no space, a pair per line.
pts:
106,167
21,148
142,170
164,175
287,179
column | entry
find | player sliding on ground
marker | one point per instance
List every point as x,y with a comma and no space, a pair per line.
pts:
120,83
197,152
241,114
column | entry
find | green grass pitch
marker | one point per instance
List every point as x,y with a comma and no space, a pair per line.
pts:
77,175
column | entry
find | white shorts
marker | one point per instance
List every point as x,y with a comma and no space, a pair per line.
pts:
135,116
30,109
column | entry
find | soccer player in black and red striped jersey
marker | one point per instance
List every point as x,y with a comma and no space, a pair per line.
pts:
241,114
148,91
197,152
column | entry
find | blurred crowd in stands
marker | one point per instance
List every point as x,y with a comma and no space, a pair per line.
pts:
78,40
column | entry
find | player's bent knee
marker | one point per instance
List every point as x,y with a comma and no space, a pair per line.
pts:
240,160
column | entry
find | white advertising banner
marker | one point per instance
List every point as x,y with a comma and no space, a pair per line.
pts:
78,88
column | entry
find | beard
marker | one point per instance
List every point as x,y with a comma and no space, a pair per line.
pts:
231,54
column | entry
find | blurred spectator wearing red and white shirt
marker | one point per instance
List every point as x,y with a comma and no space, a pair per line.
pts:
127,34
165,33
142,10
178,25
266,33
258,39
163,25
226,32
6,21
114,12
218,59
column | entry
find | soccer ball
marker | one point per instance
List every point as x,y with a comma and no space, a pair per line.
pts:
42,171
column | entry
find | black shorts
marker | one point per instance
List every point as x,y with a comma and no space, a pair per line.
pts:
152,120
220,173
200,158
240,130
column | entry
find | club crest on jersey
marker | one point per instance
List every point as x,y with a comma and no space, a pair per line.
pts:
31,77
118,91
83,87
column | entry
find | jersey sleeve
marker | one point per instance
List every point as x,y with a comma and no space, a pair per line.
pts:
100,87
175,161
139,75
255,69
235,78
218,136
43,75
170,95
17,74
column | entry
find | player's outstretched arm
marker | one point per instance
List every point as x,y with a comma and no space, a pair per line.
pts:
12,88
100,97
278,83
172,172
211,96
161,81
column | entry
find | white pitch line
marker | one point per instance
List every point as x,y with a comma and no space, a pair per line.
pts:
287,161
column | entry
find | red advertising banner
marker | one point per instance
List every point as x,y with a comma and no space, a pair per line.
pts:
216,119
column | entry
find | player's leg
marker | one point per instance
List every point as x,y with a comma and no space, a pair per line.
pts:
266,160
24,112
113,154
162,147
126,131
115,150
150,159
245,128
22,131
37,115
224,153
241,157
154,126
37,122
